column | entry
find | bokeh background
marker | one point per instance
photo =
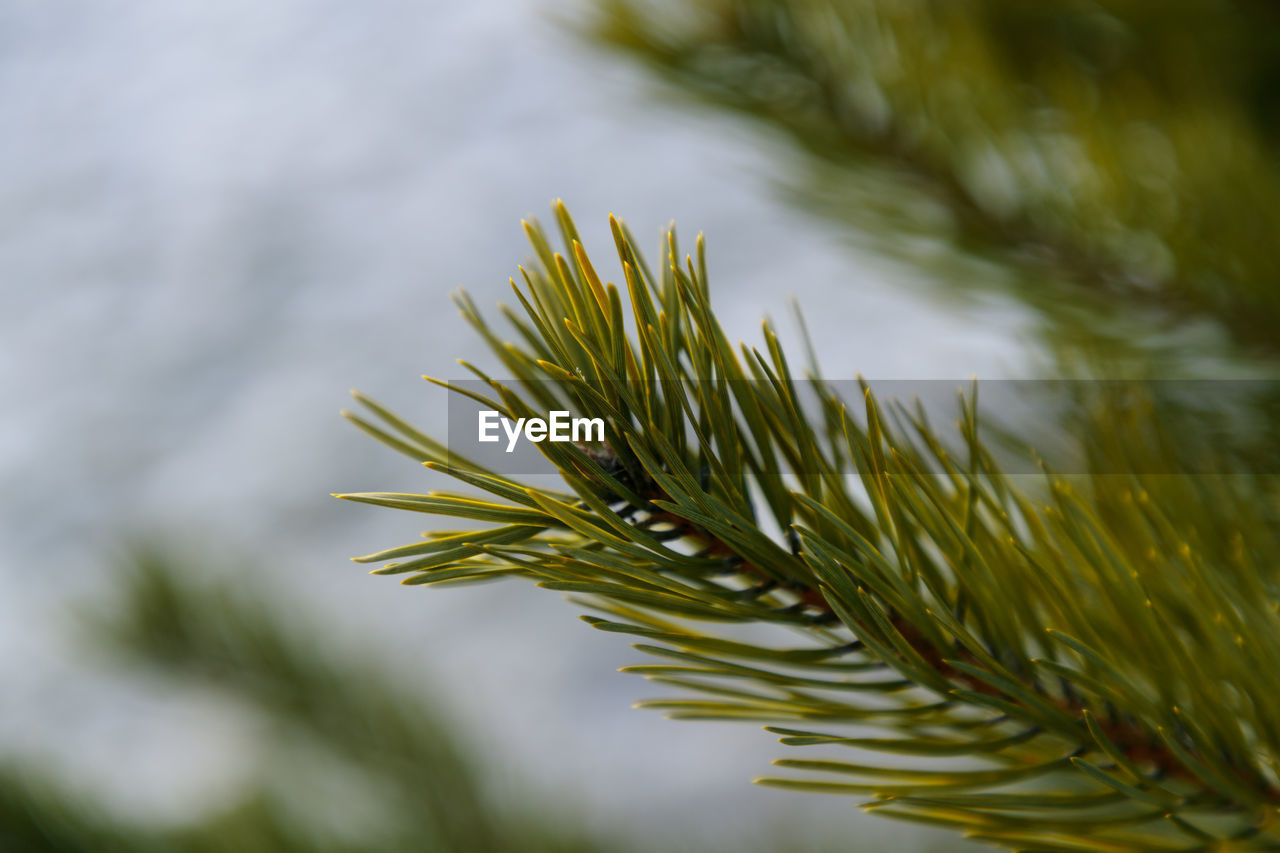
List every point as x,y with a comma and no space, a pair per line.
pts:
217,218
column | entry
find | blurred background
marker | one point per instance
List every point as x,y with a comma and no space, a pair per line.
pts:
219,217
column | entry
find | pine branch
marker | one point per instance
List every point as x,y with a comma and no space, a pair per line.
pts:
1100,155
1086,672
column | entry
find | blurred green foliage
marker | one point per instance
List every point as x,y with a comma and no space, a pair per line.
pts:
411,785
1116,159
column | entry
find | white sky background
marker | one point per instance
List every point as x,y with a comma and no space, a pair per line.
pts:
219,217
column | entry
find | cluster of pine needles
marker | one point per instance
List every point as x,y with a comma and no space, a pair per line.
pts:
1053,662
